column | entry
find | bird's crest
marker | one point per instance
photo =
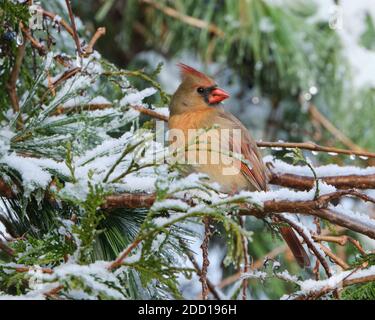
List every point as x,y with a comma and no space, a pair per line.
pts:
187,71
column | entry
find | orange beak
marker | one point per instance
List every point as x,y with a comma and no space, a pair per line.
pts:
217,95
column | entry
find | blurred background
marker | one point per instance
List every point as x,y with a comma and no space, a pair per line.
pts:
290,66
297,70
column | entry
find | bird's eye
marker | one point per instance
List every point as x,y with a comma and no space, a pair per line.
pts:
200,90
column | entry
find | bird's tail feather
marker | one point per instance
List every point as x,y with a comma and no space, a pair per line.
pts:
295,246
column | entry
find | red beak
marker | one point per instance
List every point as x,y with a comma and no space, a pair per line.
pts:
217,95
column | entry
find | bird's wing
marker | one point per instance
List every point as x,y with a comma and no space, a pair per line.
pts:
255,171
257,177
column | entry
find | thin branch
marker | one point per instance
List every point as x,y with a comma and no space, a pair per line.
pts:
334,258
118,262
5,248
12,82
151,113
206,262
318,207
350,280
84,107
53,292
27,269
329,126
246,260
62,22
307,183
194,22
73,23
311,146
341,240
65,76
256,265
35,43
197,268
89,49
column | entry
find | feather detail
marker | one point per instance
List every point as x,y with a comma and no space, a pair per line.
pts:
185,69
199,77
295,246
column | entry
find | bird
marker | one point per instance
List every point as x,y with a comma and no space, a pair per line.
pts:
196,106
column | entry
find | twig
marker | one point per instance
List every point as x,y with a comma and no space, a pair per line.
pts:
27,269
143,110
311,146
118,262
246,260
197,268
35,43
65,76
89,49
197,23
206,262
306,183
84,107
257,264
319,117
12,82
9,251
314,147
151,113
348,281
335,258
53,292
62,22
317,207
73,23
341,240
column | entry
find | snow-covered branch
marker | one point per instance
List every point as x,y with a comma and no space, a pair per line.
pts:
311,289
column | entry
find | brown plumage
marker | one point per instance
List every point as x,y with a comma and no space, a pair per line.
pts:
196,105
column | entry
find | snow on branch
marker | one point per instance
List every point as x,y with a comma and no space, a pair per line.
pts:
311,289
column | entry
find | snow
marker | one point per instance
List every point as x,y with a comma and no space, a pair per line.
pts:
171,204
95,276
321,171
136,98
32,175
287,194
254,274
353,215
310,286
80,100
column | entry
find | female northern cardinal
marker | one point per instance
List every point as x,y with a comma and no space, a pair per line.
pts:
196,105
